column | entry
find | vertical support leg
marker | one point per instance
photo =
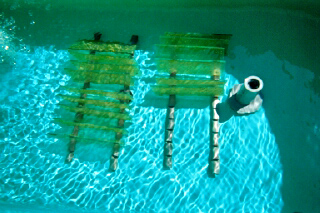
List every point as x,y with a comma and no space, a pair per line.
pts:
115,153
169,126
76,129
116,146
168,145
214,159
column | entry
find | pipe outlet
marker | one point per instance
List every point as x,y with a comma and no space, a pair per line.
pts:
249,90
244,98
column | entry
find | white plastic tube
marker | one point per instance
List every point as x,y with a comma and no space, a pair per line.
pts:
249,90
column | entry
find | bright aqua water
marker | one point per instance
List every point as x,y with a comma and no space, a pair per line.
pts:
33,169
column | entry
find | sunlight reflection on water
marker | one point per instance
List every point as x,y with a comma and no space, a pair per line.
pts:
33,173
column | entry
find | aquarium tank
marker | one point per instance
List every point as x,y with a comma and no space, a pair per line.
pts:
159,106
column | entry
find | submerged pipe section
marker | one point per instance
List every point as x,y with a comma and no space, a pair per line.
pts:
249,89
244,98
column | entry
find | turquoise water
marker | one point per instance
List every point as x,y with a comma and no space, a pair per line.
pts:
32,165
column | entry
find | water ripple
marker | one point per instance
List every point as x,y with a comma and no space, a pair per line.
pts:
33,172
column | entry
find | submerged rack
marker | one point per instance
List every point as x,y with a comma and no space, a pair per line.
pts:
100,63
193,63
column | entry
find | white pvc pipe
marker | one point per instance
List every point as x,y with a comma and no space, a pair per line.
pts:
249,90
